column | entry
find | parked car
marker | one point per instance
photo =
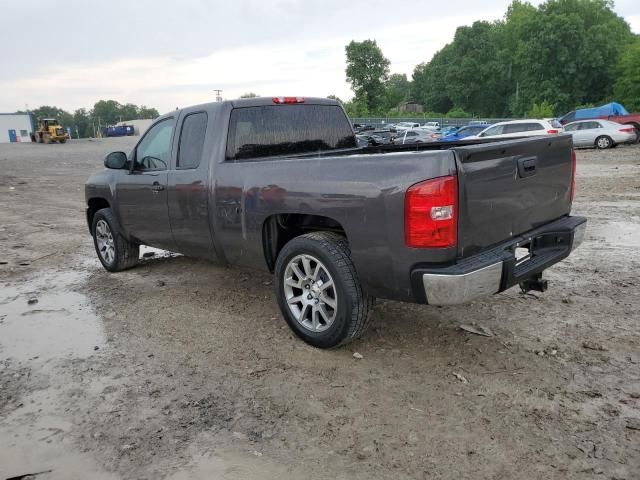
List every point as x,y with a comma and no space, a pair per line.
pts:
365,128
406,125
415,135
278,184
433,126
518,128
362,140
381,137
427,129
478,122
375,137
611,111
448,130
600,134
463,132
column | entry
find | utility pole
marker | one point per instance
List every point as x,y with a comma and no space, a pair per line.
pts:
218,96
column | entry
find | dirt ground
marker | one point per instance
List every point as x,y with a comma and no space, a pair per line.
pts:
182,369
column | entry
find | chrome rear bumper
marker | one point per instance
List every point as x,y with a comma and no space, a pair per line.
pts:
496,270
456,289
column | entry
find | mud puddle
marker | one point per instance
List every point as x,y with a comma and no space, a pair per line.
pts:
44,324
43,320
34,439
207,463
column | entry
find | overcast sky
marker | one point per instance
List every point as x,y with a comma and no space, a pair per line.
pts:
168,53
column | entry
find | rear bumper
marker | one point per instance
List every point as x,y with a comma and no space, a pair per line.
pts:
497,269
626,138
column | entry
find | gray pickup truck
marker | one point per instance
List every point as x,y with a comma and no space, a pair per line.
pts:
279,184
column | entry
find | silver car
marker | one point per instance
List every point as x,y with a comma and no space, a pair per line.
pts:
404,137
600,133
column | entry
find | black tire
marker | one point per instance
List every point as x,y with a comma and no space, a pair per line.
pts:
603,142
354,307
125,253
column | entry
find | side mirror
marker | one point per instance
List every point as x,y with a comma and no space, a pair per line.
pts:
116,160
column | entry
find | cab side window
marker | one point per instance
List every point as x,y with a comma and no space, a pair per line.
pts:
191,144
154,151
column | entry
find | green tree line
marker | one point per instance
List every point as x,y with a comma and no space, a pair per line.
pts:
537,61
87,122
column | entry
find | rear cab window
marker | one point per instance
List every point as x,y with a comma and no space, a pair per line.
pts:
278,130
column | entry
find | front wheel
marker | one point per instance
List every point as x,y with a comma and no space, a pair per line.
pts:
318,290
114,251
603,142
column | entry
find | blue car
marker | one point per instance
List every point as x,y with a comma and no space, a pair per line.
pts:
448,131
463,133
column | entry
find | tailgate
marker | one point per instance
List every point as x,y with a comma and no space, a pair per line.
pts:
508,188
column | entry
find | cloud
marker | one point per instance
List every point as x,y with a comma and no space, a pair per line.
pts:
314,68
138,52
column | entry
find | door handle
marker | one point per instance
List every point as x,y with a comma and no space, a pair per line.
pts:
156,187
527,166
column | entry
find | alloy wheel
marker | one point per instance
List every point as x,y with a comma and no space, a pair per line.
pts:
310,293
105,241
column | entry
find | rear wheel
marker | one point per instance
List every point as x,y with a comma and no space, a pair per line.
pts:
114,251
318,290
603,142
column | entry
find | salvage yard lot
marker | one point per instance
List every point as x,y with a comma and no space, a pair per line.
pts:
183,369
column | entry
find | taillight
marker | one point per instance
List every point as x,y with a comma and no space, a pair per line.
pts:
553,131
431,213
573,176
628,130
288,99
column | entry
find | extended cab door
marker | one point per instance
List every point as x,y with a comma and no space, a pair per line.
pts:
142,194
188,187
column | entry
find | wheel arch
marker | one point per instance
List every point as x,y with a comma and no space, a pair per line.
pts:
93,205
278,229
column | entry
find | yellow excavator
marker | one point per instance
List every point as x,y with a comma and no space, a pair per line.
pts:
50,131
